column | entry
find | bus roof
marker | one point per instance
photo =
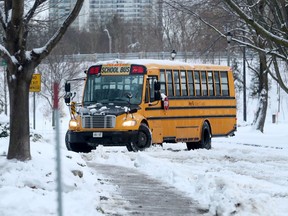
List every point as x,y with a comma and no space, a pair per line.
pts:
165,64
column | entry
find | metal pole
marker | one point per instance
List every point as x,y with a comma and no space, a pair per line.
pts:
228,57
34,111
279,98
5,92
244,85
110,40
229,39
58,156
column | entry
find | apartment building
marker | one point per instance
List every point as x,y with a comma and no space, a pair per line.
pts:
99,12
60,9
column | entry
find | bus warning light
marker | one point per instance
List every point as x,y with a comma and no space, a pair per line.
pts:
137,69
94,70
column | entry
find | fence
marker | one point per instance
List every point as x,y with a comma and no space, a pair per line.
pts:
213,58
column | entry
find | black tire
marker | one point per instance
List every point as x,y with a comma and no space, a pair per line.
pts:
77,147
144,139
205,141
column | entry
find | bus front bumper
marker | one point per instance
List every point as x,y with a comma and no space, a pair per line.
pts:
108,138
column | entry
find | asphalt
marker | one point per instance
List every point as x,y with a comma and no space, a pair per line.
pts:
145,195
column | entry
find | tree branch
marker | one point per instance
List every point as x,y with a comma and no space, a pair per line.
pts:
31,12
2,21
39,54
267,34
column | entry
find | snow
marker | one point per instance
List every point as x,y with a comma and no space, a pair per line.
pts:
144,62
40,50
246,174
242,175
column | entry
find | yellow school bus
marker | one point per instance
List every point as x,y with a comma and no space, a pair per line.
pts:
136,103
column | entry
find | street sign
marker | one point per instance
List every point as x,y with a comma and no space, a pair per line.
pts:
35,85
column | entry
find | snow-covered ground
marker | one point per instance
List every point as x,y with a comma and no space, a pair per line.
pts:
245,175
242,175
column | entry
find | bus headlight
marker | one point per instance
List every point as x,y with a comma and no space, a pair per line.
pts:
73,124
129,123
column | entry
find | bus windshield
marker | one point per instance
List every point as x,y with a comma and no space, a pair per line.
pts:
113,89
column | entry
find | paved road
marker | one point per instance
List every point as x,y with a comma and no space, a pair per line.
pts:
147,196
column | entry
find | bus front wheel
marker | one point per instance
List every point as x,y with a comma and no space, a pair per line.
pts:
143,141
205,141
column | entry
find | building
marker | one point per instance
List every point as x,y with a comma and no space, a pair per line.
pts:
60,9
137,11
99,12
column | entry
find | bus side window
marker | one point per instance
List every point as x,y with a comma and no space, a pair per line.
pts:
210,83
204,83
176,82
183,83
162,82
191,83
217,83
224,83
197,83
169,83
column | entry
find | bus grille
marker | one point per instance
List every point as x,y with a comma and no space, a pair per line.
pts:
99,121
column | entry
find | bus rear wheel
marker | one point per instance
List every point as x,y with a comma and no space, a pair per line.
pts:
143,141
77,147
205,141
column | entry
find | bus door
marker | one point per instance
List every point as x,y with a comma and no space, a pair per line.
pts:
153,108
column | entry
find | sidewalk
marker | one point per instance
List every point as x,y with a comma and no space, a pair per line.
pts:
147,196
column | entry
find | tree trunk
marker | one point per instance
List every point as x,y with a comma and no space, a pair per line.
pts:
260,116
19,147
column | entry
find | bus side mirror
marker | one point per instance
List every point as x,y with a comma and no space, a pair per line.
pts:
67,99
67,96
67,87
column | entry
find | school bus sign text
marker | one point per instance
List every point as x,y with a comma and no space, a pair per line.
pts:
35,85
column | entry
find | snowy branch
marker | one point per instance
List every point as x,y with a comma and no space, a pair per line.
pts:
2,20
179,6
31,12
256,25
43,52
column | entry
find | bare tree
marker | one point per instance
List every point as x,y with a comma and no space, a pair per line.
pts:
15,20
57,68
189,25
269,18
267,21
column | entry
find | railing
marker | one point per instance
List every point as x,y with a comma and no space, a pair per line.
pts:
213,58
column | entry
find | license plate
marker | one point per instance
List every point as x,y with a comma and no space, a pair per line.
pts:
97,134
